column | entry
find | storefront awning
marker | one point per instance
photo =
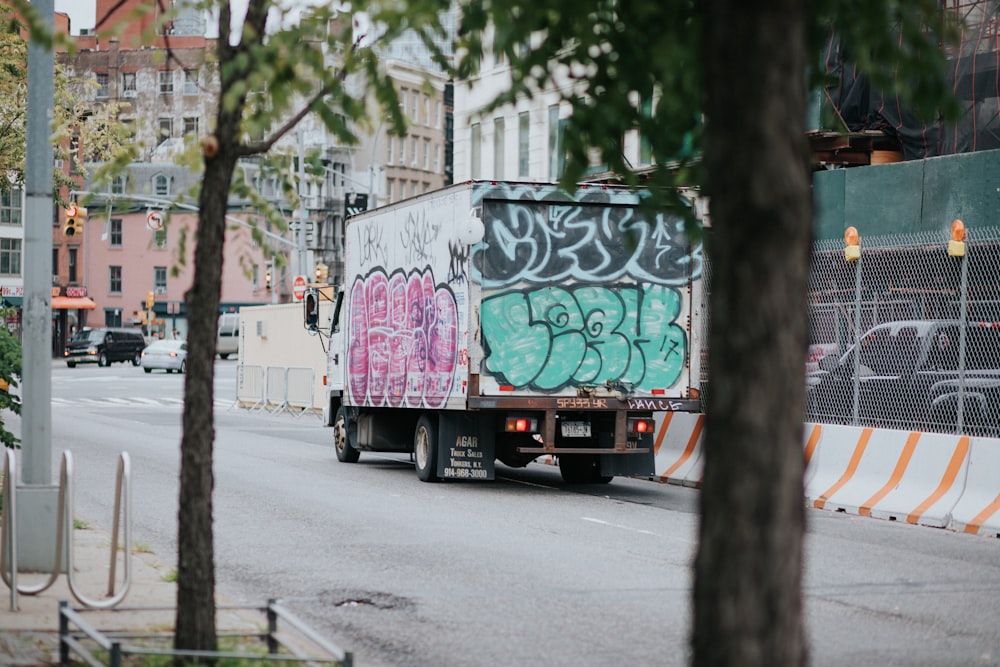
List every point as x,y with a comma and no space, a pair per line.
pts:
12,301
73,303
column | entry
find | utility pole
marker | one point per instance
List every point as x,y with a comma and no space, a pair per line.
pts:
37,499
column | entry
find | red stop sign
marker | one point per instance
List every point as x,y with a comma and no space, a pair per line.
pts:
299,288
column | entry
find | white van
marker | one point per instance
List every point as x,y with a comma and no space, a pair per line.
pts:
227,340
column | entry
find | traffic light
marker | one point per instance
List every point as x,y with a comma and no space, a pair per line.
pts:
150,300
311,309
75,217
267,280
322,272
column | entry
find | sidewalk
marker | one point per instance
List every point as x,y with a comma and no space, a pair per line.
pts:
30,636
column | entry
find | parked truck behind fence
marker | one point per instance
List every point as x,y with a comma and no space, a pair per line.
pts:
504,321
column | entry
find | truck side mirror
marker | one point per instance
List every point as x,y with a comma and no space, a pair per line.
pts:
335,324
311,310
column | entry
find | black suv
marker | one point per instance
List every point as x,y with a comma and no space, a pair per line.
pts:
103,346
908,376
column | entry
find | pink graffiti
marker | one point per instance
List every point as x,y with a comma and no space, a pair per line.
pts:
404,341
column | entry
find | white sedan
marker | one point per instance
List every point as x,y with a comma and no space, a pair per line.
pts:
170,355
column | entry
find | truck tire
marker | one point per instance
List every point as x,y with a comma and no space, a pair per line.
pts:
345,453
582,469
425,446
103,360
137,359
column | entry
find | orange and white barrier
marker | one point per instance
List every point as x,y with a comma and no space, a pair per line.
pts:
978,510
911,476
677,448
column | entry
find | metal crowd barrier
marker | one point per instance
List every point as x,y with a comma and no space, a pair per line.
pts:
276,389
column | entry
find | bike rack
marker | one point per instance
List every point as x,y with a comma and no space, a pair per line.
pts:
64,534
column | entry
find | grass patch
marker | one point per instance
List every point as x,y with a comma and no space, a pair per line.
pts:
170,577
80,524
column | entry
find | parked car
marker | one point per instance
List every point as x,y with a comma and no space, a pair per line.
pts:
168,355
980,396
103,346
227,340
903,367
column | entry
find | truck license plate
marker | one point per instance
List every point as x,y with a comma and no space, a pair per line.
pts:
576,429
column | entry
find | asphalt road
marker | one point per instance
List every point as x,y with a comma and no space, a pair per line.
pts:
523,570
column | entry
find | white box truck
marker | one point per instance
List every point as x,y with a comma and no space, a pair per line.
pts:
507,321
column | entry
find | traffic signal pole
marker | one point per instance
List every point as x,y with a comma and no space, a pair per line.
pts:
37,497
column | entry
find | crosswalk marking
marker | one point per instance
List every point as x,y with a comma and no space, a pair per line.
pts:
135,402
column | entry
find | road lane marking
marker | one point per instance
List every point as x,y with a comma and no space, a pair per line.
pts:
618,525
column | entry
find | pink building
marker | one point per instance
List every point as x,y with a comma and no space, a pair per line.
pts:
124,260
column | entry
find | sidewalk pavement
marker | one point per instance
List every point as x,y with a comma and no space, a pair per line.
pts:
30,635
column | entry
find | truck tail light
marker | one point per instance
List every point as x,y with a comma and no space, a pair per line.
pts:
641,426
521,425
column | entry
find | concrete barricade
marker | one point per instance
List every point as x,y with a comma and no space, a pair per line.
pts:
678,448
911,476
978,510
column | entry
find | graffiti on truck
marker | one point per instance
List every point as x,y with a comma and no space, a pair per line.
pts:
546,242
403,340
550,338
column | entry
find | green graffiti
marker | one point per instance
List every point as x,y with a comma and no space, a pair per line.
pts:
550,338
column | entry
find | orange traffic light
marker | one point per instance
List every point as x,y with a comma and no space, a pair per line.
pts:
75,217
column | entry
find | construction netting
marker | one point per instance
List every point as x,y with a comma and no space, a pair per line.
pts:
973,73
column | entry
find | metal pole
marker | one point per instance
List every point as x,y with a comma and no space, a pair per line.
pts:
856,410
302,269
36,466
963,315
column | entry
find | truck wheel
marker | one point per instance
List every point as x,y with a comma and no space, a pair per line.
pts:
425,449
345,453
137,359
582,469
103,360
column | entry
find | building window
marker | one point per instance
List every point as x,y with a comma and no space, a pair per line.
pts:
390,150
437,158
55,266
437,115
427,110
115,235
128,84
523,142
191,125
557,150
166,81
390,187
475,151
427,154
10,206
499,138
166,130
102,84
10,257
161,185
159,280
413,151
118,184
160,238
415,107
72,265
115,279
191,86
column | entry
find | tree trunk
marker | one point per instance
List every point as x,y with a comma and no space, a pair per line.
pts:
748,569
195,622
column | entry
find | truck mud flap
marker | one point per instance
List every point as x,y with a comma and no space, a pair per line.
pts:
642,463
466,446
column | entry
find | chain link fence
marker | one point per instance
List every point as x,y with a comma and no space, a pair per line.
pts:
907,336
